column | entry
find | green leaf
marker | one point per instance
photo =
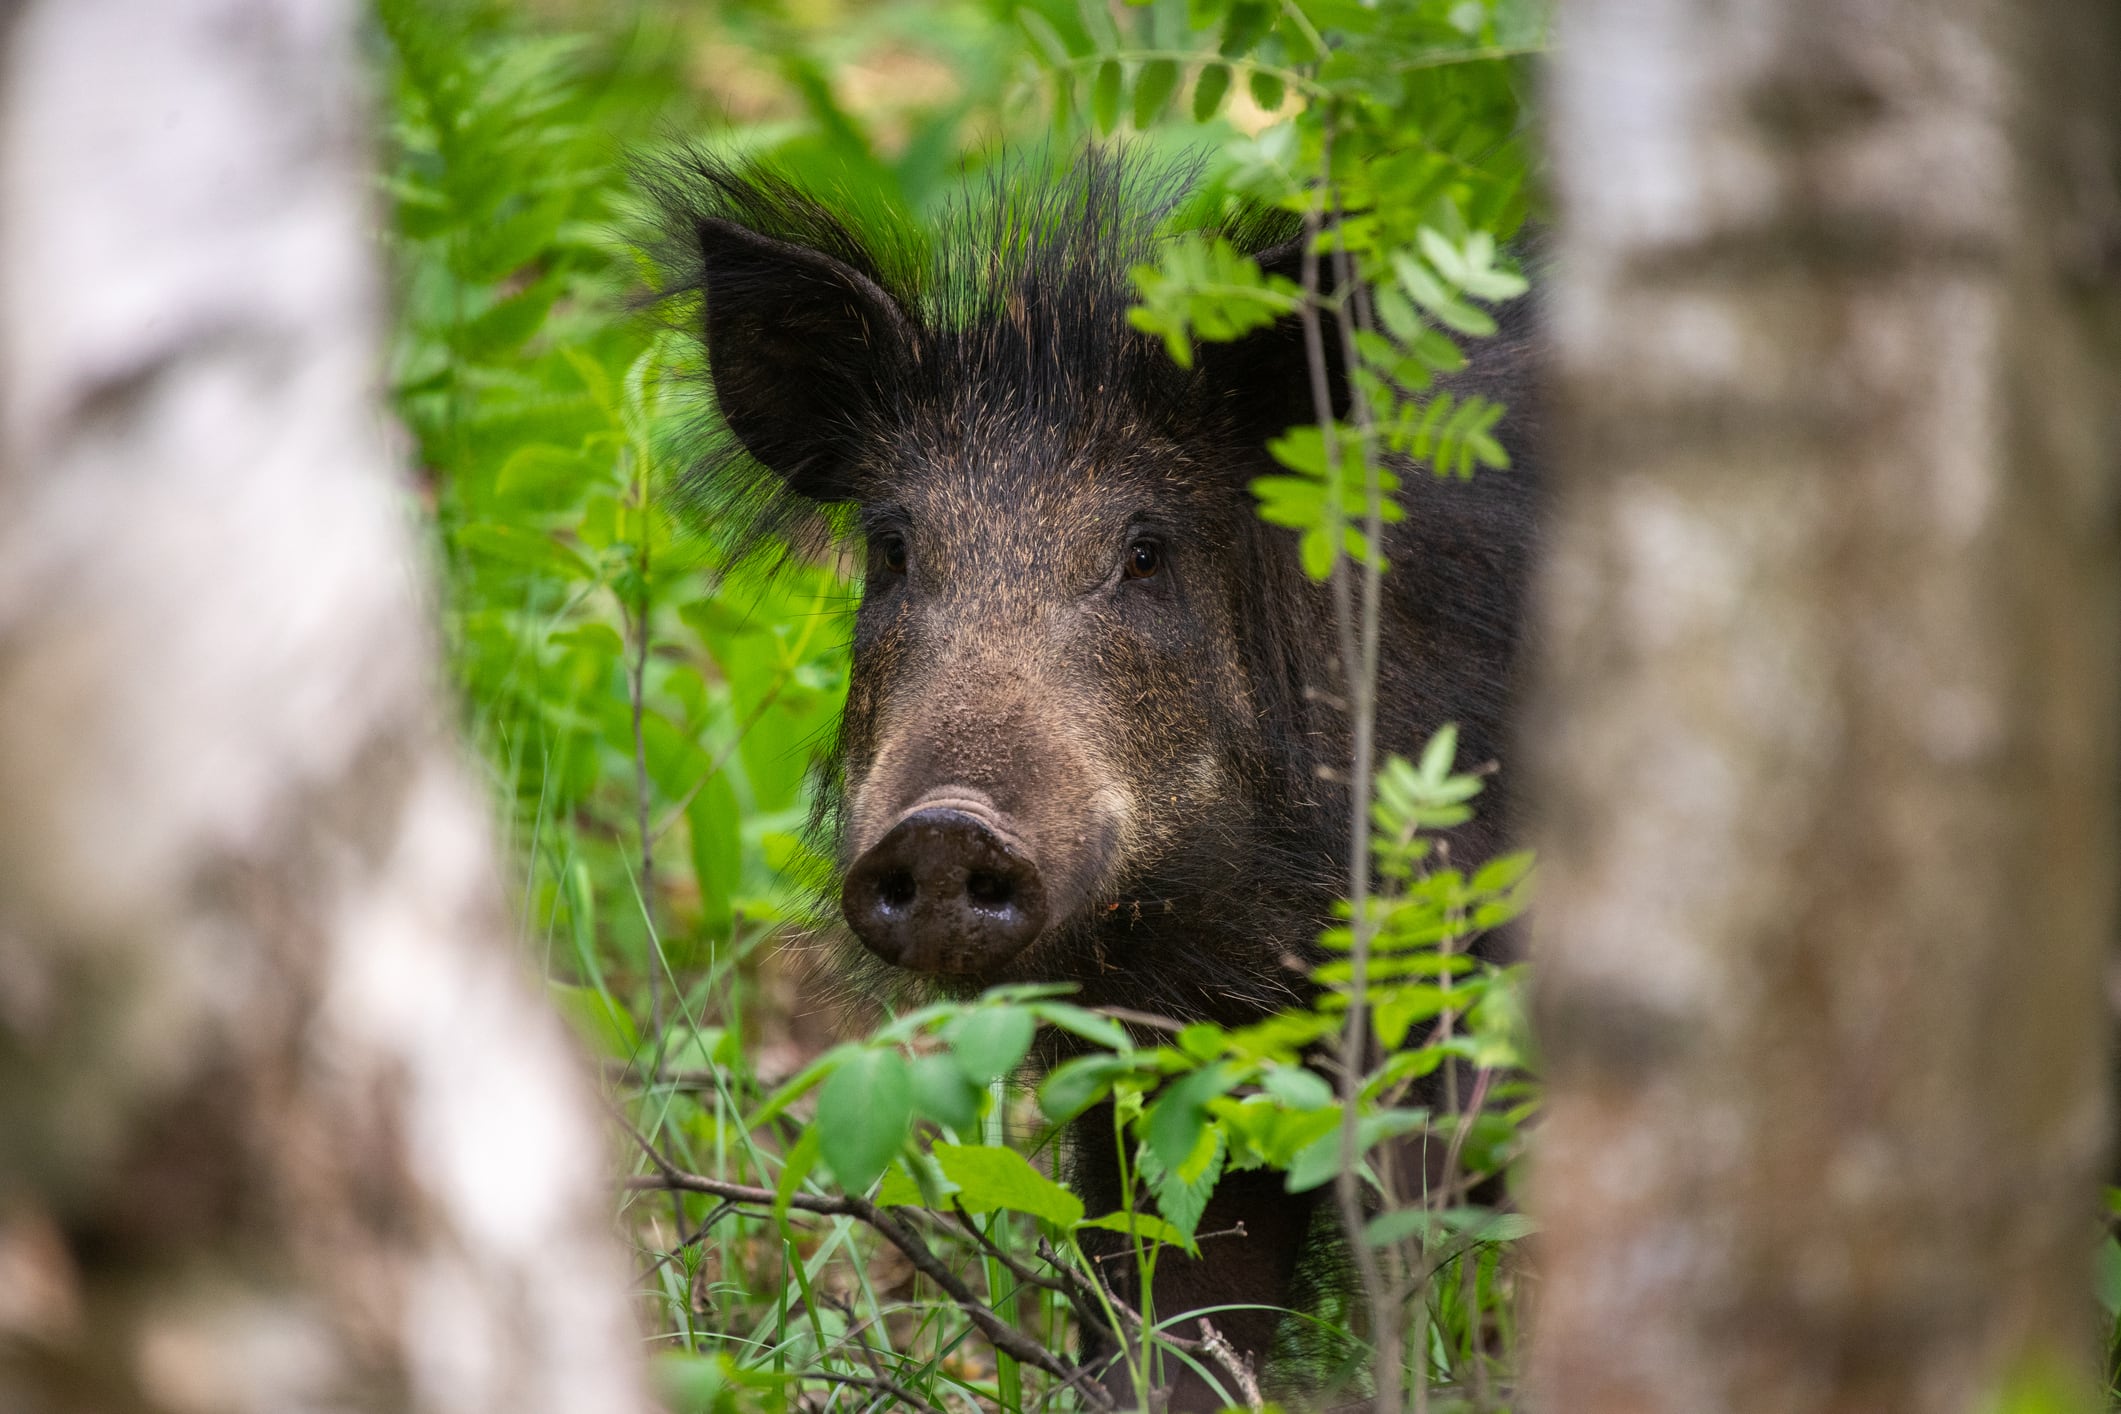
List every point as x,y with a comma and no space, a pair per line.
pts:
1296,42
1076,1085
863,1113
943,1094
1104,96
1182,1193
990,1178
1438,755
1297,1088
1153,88
599,1019
715,822
1098,1030
1146,1226
526,549
1180,1113
1209,90
990,1042
1320,1160
2109,1281
1268,90
1318,554
542,472
1247,25
1097,23
794,1169
1045,36
508,323
898,1190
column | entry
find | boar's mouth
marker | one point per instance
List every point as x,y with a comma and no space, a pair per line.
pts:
953,886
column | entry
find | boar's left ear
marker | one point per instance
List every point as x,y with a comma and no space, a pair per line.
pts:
802,347
1260,385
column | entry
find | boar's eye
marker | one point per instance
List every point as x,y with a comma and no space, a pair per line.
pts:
890,552
1144,559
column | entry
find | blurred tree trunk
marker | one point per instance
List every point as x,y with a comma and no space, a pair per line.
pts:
1826,730
284,1123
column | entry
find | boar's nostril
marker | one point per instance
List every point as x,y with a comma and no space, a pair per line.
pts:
897,888
984,886
946,890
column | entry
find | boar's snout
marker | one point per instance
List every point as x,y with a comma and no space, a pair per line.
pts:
950,887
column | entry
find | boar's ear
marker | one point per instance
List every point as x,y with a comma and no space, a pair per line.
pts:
802,347
1262,383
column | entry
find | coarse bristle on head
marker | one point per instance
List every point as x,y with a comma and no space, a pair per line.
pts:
1012,303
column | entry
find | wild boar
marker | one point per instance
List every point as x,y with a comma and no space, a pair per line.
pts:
1096,727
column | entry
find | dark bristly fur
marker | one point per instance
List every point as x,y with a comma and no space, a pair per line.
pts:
978,397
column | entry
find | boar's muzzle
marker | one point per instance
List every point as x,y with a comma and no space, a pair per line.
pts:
950,888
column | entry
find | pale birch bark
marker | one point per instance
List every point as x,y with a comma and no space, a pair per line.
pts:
284,1123
1828,711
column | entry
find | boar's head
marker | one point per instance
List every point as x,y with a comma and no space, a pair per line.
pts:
1081,737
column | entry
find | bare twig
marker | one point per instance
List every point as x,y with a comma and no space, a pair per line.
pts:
998,1332
1140,1018
1474,1104
1015,1268
1224,1354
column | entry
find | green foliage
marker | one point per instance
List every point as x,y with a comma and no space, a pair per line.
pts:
648,714
1398,131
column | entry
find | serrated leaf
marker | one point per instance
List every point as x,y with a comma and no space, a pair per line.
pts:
1180,1113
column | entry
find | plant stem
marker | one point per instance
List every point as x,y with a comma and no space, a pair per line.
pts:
637,689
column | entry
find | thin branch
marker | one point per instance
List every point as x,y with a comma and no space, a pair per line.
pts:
1132,1017
1003,1336
1240,1370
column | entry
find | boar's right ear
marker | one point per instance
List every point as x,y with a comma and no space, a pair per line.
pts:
1262,382
802,348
